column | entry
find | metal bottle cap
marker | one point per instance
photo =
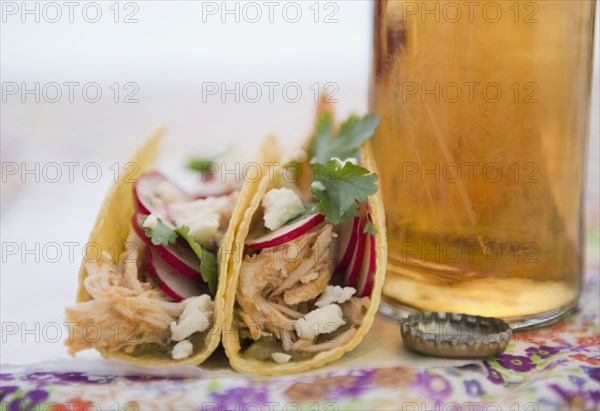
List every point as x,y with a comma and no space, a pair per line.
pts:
452,335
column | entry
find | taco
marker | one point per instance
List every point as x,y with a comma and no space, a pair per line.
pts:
305,286
151,287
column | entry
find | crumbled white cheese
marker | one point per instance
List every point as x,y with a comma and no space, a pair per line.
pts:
201,302
182,349
201,216
317,185
335,294
166,192
150,222
341,163
281,358
320,321
281,205
195,317
300,156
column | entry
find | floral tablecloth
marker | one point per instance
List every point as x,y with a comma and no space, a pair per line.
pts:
557,367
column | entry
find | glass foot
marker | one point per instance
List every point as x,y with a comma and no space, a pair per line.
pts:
397,311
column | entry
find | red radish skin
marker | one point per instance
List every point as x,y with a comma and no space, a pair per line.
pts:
286,233
144,195
367,271
179,255
169,280
353,271
367,275
348,237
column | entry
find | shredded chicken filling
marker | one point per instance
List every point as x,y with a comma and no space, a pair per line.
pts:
275,290
125,311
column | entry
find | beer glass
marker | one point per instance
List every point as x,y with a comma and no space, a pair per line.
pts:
481,150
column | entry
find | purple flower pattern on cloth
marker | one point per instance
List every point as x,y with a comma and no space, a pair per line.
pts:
30,400
64,378
515,362
434,386
493,374
473,388
543,351
592,372
240,398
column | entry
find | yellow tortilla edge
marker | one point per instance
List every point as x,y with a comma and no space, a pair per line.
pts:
119,206
230,339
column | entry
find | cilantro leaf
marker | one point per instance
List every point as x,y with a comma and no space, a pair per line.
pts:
209,270
208,260
321,140
203,165
345,188
369,228
162,234
353,132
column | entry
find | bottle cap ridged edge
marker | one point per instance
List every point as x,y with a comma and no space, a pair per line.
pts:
452,335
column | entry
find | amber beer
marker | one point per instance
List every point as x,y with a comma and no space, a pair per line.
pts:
484,112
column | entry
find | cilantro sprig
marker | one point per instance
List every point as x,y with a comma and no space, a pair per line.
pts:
345,188
345,183
203,165
345,144
208,260
162,234
369,228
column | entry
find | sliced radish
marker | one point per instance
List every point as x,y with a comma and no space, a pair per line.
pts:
153,191
169,280
347,239
179,255
286,233
367,270
352,272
